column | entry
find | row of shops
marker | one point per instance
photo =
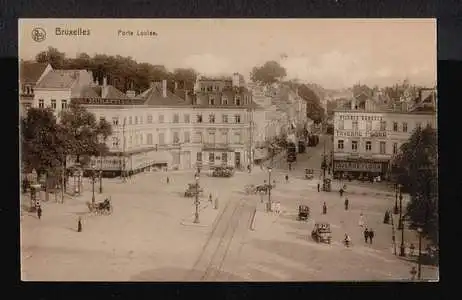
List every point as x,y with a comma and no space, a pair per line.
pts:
360,169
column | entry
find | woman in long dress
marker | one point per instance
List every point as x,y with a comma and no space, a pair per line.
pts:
361,220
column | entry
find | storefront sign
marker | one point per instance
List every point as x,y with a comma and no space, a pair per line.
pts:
357,166
370,133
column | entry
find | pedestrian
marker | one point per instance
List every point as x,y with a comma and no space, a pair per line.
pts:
341,192
346,203
324,208
347,240
361,220
210,197
79,225
287,178
371,235
278,207
366,235
413,273
290,167
319,186
412,248
386,218
39,212
216,203
168,180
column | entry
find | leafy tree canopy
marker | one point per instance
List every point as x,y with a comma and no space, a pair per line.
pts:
416,170
269,73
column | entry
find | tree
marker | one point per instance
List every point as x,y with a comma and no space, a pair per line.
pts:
39,141
416,170
186,77
85,136
269,73
52,56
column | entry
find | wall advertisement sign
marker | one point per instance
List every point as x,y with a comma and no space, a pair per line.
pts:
357,166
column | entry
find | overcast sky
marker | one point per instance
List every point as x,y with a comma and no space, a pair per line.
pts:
334,53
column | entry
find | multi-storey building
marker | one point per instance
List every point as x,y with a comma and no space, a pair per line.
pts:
158,128
367,137
29,74
57,87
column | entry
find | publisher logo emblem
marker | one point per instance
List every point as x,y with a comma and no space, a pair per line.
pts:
39,34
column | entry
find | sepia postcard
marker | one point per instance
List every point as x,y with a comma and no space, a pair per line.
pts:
228,150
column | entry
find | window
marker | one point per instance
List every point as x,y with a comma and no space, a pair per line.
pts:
141,119
237,100
130,140
149,119
115,121
187,137
211,118
115,141
395,148
211,157
404,127
211,137
383,147
136,120
340,144
198,137
53,103
237,119
161,138
199,156
224,100
224,137
211,100
102,118
176,137
27,106
355,125
224,157
186,118
237,137
161,118
203,88
63,104
368,146
368,125
383,125
141,139
341,125
149,138
41,103
209,88
176,118
395,126
354,146
199,118
130,120
225,118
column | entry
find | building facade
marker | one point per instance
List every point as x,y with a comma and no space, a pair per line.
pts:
366,140
159,129
29,74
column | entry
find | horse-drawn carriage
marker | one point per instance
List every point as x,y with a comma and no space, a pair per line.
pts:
193,189
309,173
303,213
101,208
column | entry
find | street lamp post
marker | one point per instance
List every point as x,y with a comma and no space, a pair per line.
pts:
93,184
395,209
401,225
196,202
419,268
269,189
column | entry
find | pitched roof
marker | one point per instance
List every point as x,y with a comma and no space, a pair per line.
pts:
59,79
114,93
30,72
88,91
153,96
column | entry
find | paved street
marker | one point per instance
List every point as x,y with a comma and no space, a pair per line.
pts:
150,235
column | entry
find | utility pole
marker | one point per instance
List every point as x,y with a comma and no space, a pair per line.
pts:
123,151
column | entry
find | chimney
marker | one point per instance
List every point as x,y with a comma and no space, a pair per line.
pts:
164,88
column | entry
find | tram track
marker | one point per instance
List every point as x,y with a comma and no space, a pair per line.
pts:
210,263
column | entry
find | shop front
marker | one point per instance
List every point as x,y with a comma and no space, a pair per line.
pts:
360,169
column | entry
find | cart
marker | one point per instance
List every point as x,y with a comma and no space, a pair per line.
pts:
309,174
193,189
322,233
303,213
